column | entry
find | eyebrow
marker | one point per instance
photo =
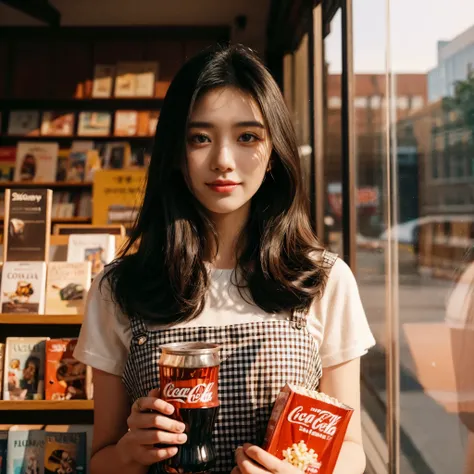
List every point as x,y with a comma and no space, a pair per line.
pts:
249,123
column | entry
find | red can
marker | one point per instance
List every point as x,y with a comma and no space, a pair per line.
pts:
189,375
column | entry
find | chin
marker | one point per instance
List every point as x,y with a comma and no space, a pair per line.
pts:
222,209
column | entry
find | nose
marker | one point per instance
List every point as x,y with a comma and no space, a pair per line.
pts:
222,159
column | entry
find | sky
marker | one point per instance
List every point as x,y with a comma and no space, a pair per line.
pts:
416,27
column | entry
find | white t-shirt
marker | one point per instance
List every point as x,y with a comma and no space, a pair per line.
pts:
337,320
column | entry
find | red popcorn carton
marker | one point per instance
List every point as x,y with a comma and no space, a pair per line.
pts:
307,429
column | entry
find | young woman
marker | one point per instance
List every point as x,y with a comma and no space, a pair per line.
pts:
223,252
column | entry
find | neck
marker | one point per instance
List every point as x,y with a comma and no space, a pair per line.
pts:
228,227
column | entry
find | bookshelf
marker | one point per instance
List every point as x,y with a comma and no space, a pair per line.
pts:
69,319
30,405
55,184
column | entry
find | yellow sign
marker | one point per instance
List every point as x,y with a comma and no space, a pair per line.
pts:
117,196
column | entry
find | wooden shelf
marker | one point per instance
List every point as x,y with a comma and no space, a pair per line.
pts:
71,105
61,220
52,184
12,318
46,405
13,139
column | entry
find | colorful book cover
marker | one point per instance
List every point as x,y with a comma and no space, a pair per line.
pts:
125,123
25,449
24,122
94,124
23,287
57,124
7,162
87,430
24,368
36,161
99,249
63,164
117,155
65,377
67,285
28,221
65,453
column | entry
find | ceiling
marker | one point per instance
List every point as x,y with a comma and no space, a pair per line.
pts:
157,12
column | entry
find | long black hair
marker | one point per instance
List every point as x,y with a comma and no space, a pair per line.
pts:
162,274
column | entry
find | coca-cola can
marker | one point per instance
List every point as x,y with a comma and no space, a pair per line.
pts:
189,381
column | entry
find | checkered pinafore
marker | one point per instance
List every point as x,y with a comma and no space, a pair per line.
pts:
258,359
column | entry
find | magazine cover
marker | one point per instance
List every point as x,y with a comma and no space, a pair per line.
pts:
23,287
57,124
24,368
25,449
125,123
103,83
99,249
66,378
65,453
94,124
24,122
83,429
67,284
28,224
36,161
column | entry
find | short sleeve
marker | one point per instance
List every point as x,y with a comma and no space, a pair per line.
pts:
103,339
345,330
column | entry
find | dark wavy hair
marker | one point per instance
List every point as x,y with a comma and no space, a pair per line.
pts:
161,274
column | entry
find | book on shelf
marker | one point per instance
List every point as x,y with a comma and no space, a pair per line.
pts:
87,430
27,224
24,368
3,447
7,163
36,161
99,249
24,122
103,83
67,284
25,449
2,363
116,155
57,124
94,124
62,165
136,79
65,452
65,377
23,287
125,123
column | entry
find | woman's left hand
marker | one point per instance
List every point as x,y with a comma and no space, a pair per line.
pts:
254,460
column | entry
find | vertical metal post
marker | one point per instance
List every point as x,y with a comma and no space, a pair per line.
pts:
349,224
316,83
391,266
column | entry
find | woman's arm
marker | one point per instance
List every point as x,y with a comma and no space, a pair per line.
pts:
343,382
111,410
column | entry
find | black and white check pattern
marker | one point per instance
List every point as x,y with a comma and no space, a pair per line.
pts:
258,359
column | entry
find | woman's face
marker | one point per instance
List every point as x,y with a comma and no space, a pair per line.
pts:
228,149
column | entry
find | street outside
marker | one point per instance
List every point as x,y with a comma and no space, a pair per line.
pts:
438,436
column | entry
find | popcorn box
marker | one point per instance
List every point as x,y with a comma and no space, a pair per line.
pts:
307,429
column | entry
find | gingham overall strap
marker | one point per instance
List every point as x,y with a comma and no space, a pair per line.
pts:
138,327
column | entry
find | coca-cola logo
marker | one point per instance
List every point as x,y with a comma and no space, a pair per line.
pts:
201,393
319,420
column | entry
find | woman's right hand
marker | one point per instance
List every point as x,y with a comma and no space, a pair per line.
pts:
147,429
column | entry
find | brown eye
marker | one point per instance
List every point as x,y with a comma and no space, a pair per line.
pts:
200,138
248,138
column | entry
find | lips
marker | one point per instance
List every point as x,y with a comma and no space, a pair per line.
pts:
222,186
